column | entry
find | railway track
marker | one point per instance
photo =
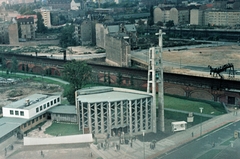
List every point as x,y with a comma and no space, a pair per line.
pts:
188,80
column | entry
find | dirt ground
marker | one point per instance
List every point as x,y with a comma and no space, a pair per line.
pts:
22,89
214,56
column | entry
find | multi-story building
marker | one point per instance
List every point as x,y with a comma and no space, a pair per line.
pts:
117,41
222,17
103,29
60,4
196,17
13,33
118,50
178,15
74,5
4,36
85,32
28,26
45,12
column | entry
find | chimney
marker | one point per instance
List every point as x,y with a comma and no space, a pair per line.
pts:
27,102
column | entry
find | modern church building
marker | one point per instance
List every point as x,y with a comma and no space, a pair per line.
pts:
111,110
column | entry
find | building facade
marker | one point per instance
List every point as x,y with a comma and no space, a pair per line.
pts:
31,106
60,4
115,29
196,17
177,15
85,32
28,26
118,51
45,12
108,110
4,34
222,17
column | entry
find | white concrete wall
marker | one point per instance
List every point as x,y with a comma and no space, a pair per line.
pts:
83,138
32,112
6,113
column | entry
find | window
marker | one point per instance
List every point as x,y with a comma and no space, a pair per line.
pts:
44,106
37,110
11,112
25,125
22,113
43,115
40,117
29,123
36,119
51,103
16,112
40,108
33,121
231,100
58,100
55,101
48,104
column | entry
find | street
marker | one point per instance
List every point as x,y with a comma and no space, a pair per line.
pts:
216,143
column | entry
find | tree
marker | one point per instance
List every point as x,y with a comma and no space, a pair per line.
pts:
119,79
14,65
109,78
169,24
140,22
132,81
150,22
159,23
3,62
41,28
23,68
27,68
78,74
151,12
66,38
19,30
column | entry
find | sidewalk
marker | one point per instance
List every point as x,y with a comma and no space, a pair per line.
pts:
139,149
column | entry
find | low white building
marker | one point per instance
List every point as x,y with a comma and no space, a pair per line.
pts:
31,106
25,114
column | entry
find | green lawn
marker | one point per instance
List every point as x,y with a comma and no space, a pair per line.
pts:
34,78
193,105
62,129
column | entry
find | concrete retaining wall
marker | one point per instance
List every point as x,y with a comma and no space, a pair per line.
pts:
84,138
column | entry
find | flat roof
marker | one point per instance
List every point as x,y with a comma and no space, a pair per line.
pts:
8,124
63,109
109,95
35,100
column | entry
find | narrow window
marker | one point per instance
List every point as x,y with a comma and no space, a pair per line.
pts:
16,112
22,113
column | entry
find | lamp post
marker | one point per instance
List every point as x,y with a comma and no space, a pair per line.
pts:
201,110
143,131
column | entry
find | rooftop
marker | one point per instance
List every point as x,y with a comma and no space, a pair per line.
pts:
33,101
8,124
99,94
63,109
